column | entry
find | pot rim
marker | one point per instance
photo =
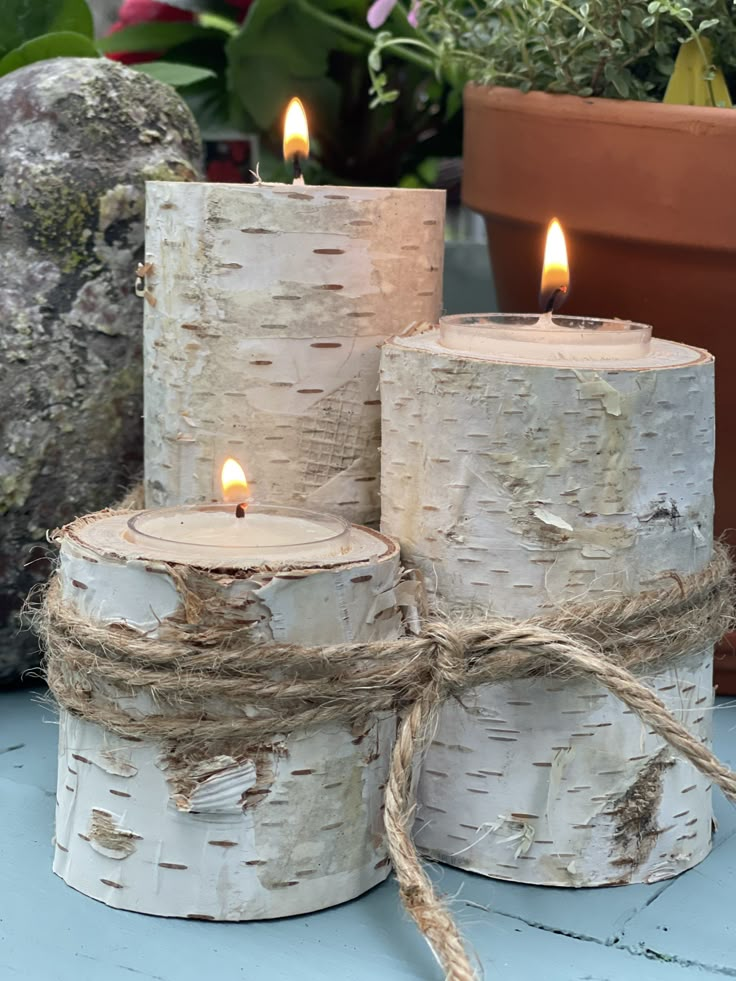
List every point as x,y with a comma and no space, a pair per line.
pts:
621,112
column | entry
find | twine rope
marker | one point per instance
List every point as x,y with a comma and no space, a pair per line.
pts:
202,678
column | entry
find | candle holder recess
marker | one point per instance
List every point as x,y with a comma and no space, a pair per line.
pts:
267,305
164,806
521,473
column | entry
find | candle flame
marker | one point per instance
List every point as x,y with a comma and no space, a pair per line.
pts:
556,270
232,478
296,131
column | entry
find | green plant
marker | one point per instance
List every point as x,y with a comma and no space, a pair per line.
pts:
36,30
609,48
316,50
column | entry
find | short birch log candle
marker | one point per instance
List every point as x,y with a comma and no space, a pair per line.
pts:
518,473
233,828
267,307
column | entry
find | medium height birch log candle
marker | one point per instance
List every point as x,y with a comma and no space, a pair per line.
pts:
239,829
271,303
514,481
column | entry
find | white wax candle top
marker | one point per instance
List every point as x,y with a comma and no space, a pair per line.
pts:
210,534
545,337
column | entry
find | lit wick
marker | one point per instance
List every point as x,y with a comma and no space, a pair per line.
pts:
296,138
552,303
297,164
555,282
234,485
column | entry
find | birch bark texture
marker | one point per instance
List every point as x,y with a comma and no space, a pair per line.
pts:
242,831
271,303
513,487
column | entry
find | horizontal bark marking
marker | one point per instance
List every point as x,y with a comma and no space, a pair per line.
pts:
301,773
686,790
79,585
383,863
329,286
82,759
61,847
304,872
69,788
172,865
310,391
230,265
329,251
361,578
285,296
119,793
326,344
199,916
73,772
109,882
256,861
83,837
357,315
223,844
258,231
361,221
259,363
429,221
331,827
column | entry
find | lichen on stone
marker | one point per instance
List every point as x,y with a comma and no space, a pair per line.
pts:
72,197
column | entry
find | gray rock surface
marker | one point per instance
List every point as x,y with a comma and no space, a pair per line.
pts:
79,138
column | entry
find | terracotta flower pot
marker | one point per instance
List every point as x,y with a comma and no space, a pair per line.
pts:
645,193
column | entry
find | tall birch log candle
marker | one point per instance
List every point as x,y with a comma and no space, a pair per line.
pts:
519,473
250,830
267,307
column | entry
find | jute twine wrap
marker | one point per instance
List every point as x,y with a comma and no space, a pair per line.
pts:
202,677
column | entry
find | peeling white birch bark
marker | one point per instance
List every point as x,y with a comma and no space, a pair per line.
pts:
263,831
512,487
271,303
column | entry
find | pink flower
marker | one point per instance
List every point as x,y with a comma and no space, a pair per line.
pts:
142,12
379,11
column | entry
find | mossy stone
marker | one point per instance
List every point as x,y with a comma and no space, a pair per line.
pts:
80,138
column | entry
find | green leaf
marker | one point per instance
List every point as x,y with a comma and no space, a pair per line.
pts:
24,20
157,36
60,44
278,51
174,74
619,78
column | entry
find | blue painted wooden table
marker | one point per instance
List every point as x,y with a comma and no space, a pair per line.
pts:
675,930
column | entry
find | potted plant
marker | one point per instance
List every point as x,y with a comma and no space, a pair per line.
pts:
564,116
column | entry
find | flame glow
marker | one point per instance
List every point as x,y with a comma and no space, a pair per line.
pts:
232,478
296,131
556,270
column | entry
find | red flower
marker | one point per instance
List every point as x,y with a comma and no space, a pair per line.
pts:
142,12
